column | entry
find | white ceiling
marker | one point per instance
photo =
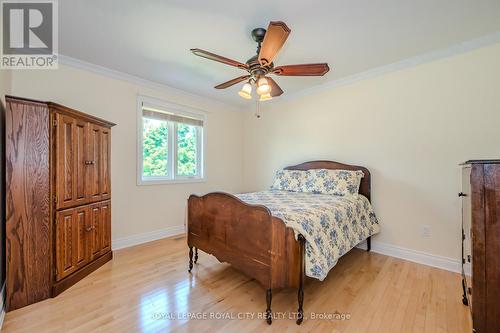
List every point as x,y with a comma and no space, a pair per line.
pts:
151,39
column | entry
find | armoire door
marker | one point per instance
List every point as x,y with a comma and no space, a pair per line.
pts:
71,153
105,165
100,225
72,227
94,163
105,226
95,237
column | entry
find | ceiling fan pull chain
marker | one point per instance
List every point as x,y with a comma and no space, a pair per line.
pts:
257,107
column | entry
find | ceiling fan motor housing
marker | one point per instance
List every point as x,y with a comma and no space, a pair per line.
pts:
258,34
254,66
256,69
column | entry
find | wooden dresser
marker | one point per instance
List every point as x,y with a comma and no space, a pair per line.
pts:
58,198
481,243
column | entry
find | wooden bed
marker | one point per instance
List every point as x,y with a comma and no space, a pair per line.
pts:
252,240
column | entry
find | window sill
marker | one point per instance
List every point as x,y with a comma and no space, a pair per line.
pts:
142,182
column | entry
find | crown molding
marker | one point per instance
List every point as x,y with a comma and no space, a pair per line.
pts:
428,57
118,75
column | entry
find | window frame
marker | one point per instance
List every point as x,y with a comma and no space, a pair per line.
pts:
201,134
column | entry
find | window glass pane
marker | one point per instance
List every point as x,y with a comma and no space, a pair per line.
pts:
155,148
186,150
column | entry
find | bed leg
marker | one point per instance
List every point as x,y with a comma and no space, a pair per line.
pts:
465,301
190,259
368,244
300,294
269,314
300,314
195,255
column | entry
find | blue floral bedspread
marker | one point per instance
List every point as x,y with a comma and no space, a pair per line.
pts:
331,225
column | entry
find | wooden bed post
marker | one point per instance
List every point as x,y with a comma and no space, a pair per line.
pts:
190,259
368,244
269,314
300,294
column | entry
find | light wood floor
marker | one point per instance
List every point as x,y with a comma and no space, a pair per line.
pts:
143,285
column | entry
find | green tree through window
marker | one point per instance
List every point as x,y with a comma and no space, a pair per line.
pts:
186,150
155,148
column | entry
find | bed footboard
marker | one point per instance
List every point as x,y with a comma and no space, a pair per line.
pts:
250,239
246,236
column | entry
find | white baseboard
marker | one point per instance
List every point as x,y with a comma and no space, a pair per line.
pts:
2,303
468,269
124,242
420,257
446,263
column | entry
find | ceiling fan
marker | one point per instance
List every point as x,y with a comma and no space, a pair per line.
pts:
260,65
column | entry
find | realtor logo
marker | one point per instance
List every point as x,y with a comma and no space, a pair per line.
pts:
29,34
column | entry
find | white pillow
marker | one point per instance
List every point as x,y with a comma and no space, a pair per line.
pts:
289,180
335,182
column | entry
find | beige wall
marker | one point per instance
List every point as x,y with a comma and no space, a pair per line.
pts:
5,81
411,128
140,209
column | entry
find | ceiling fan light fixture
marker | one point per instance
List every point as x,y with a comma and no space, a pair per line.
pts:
263,86
265,97
246,91
261,67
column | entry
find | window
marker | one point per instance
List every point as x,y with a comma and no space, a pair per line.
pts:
170,143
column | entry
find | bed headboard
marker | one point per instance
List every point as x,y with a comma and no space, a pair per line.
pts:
364,187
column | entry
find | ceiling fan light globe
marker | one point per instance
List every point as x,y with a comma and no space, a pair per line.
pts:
246,91
265,97
263,90
263,86
244,95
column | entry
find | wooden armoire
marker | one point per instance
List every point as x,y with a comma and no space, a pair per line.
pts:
58,198
481,243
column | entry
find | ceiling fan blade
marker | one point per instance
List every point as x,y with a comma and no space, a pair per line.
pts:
302,70
215,57
276,35
275,89
232,82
